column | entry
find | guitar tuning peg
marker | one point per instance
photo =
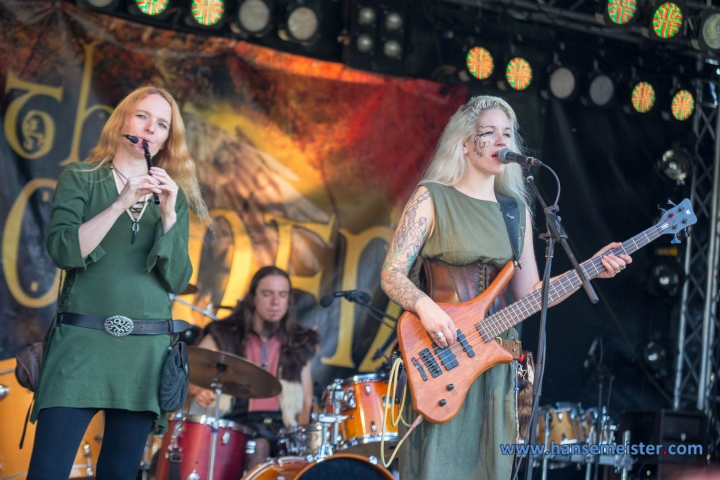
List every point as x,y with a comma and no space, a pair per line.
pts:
686,233
671,203
675,239
661,209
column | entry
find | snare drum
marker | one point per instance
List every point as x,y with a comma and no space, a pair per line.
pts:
339,466
363,399
565,424
193,440
302,440
608,428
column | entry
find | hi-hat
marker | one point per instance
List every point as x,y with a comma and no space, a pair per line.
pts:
238,377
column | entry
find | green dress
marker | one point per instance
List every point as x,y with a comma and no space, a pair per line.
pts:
87,368
468,446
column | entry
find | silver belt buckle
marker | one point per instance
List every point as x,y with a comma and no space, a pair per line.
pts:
118,326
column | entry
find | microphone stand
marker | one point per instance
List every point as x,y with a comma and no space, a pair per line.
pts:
378,315
555,233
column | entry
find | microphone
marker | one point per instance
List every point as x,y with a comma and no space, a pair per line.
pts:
350,296
591,352
133,139
508,156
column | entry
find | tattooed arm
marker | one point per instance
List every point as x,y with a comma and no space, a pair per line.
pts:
415,227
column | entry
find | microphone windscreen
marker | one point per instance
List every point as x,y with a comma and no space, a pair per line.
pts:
326,301
502,154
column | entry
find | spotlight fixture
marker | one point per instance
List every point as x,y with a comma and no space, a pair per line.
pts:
616,13
676,164
518,73
393,21
563,83
206,13
392,49
601,89
254,17
708,30
665,20
682,105
365,43
664,279
643,97
366,16
103,5
303,24
480,63
152,8
654,355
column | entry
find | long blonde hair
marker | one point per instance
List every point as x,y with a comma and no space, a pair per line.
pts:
173,157
448,164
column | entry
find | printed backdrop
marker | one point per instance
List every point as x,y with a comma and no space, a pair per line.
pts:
304,164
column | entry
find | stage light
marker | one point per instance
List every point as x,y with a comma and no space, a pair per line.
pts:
654,355
367,16
643,97
665,20
676,164
303,24
103,5
392,49
100,3
393,21
664,279
563,83
617,13
601,89
518,73
480,63
152,7
207,13
254,17
365,43
708,31
683,105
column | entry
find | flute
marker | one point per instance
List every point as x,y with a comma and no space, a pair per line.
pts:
134,140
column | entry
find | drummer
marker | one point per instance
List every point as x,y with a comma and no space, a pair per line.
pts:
263,330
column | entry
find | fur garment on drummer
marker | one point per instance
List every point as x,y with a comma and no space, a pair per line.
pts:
524,398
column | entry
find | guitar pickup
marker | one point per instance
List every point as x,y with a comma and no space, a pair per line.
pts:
512,346
420,368
430,363
466,346
446,356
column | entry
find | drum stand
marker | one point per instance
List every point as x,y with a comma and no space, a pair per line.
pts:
217,386
337,396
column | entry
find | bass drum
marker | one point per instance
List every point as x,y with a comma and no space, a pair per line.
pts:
339,466
14,403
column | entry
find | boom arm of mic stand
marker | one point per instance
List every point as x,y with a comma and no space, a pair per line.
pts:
558,233
378,314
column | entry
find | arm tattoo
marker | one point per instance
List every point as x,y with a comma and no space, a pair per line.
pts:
404,249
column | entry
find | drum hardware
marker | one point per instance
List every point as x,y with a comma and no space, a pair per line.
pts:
207,311
4,391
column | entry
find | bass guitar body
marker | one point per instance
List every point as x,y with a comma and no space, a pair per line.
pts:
439,378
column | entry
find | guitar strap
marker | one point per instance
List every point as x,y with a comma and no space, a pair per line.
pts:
509,209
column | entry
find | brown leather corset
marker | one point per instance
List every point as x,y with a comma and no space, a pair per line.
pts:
447,283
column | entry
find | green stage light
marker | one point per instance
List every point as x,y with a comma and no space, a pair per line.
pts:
708,32
621,12
152,7
480,63
643,97
667,19
208,13
683,105
519,73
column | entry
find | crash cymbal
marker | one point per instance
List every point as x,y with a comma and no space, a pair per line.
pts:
190,289
239,377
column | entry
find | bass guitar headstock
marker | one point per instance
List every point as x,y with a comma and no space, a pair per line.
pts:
677,219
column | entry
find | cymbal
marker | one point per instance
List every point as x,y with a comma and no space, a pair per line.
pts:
190,289
240,378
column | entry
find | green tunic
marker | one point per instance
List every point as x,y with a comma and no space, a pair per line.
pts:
468,446
88,368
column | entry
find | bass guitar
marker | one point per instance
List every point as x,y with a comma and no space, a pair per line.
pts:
439,378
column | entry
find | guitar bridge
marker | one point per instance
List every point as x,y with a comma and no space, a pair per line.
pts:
430,363
420,368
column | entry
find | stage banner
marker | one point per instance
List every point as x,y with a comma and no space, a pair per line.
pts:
304,164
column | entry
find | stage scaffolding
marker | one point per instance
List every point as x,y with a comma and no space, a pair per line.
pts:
698,355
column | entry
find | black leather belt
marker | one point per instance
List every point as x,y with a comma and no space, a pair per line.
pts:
119,326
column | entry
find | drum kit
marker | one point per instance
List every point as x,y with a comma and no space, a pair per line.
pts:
345,437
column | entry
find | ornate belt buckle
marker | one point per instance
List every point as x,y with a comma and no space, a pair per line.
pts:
118,326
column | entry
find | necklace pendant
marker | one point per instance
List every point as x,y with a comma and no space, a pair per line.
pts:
135,229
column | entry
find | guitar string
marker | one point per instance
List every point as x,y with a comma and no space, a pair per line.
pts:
496,320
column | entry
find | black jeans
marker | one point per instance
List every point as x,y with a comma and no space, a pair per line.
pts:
60,430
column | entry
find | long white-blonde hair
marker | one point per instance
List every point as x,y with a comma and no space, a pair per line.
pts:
448,164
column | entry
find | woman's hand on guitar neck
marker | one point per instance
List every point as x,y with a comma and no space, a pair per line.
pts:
613,264
436,321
